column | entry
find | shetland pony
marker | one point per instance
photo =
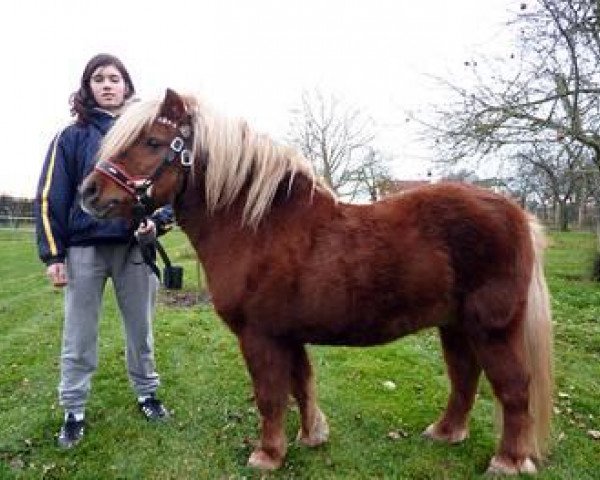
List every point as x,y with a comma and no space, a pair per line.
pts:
288,264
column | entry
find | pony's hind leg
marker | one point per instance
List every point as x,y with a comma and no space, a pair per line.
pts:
505,367
269,364
463,371
313,428
501,352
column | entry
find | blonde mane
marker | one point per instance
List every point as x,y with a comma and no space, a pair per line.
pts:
235,154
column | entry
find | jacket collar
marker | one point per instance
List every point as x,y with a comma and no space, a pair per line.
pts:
102,119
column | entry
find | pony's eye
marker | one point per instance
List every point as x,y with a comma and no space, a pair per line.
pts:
153,142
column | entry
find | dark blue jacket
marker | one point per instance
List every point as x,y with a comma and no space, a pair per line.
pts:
60,221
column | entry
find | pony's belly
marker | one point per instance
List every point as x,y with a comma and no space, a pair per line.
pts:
367,333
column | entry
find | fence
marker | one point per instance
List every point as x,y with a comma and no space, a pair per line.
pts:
10,222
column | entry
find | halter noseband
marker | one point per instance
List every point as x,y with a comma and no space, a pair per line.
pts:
139,187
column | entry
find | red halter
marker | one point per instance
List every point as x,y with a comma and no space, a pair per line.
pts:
138,186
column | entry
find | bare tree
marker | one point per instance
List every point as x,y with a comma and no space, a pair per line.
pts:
462,175
558,171
542,99
369,176
547,93
337,139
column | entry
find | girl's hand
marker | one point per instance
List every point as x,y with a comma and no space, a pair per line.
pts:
146,233
57,274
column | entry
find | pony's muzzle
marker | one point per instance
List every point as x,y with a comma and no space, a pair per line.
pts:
89,192
90,200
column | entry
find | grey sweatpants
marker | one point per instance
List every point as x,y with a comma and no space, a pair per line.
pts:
88,268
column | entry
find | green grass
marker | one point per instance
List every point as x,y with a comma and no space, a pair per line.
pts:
214,421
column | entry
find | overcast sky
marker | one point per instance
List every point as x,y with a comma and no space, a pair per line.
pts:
247,58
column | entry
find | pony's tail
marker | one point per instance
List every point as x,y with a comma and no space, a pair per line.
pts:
538,345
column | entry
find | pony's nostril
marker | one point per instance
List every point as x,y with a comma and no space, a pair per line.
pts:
89,191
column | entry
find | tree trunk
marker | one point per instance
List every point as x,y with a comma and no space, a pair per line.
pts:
581,214
544,212
596,266
562,216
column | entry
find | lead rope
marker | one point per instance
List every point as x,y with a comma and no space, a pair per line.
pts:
172,278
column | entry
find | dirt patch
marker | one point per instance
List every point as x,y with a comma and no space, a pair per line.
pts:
173,298
572,277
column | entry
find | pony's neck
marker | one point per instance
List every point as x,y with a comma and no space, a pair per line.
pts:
196,220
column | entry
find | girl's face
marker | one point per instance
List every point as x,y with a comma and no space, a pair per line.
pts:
108,87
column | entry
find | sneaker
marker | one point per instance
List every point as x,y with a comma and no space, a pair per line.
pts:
71,432
153,409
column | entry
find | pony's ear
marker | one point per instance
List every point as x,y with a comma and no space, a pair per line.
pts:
172,106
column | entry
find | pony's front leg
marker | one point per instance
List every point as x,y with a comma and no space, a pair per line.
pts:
269,361
313,428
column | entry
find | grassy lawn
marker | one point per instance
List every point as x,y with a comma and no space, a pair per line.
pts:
375,432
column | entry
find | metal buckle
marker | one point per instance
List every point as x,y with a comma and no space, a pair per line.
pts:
185,131
140,183
186,158
177,144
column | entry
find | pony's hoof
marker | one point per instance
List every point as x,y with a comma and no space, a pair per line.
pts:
263,461
500,466
432,432
319,433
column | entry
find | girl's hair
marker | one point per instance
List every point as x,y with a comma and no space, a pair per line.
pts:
82,101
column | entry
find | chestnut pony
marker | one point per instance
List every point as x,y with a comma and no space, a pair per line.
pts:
288,264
